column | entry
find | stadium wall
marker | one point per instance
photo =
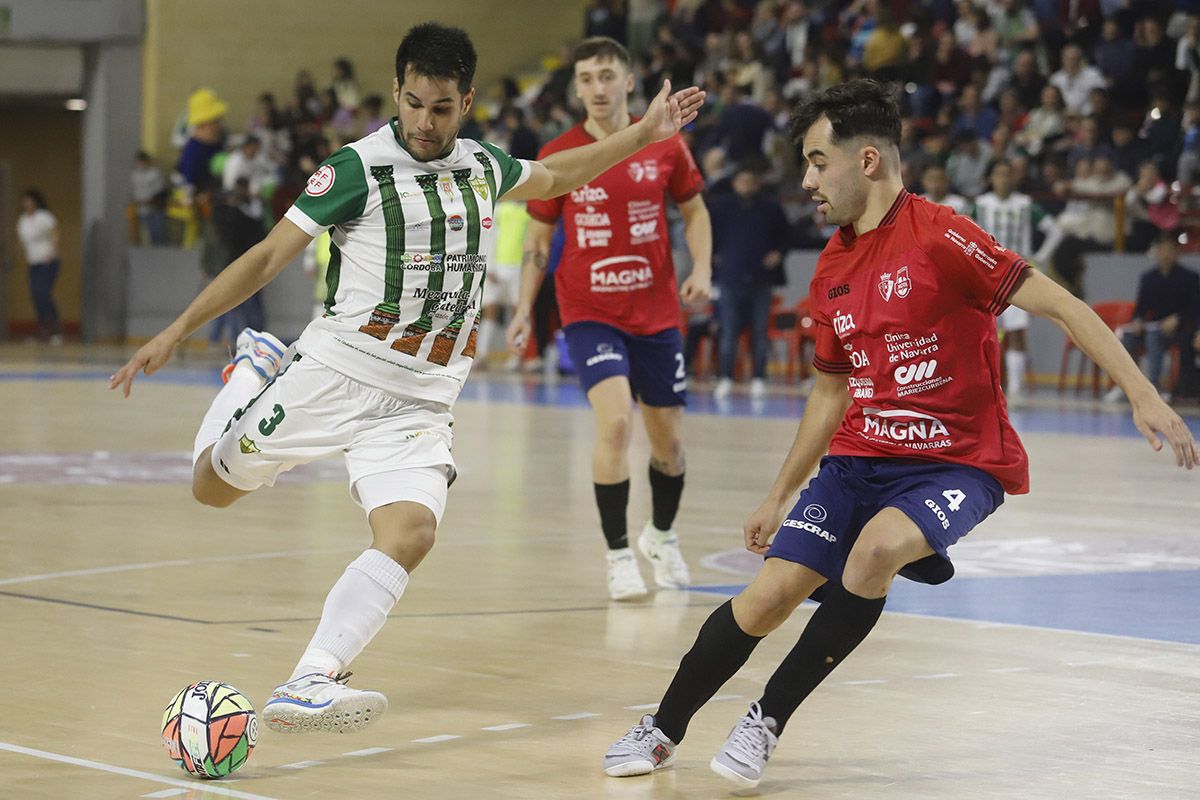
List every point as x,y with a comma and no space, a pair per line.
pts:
242,49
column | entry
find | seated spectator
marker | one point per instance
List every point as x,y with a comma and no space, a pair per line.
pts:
1045,124
1076,79
251,163
149,199
936,184
1114,56
1087,224
372,112
1168,298
1149,208
1087,145
743,125
973,115
1027,81
967,165
206,126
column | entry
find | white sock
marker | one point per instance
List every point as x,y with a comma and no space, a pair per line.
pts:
1014,362
243,384
355,610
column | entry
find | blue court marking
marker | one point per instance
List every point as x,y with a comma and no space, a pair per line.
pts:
1145,605
566,393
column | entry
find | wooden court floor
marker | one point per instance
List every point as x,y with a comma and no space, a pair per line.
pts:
509,672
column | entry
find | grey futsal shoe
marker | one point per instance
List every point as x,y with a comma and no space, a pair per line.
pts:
320,702
744,756
640,751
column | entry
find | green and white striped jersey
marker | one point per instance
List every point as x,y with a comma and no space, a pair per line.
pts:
1010,220
408,258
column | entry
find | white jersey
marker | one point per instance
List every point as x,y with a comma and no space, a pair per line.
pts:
1009,220
408,258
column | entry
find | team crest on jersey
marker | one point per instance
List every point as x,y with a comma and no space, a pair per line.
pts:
320,181
448,188
247,445
900,286
479,184
643,170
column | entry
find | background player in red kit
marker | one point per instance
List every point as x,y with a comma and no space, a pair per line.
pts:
909,406
620,310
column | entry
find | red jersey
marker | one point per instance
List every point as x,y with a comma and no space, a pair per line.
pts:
616,266
907,311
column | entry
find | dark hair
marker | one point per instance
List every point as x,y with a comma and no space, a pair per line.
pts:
36,197
344,66
859,108
437,51
1166,235
600,47
142,155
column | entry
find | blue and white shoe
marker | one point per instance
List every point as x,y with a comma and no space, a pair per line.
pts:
320,702
260,350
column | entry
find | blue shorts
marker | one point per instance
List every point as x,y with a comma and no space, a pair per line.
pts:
653,364
945,501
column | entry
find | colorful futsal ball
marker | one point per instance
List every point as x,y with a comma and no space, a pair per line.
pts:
209,729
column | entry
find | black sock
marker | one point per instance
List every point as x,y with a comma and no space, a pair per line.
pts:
838,626
664,493
612,500
720,650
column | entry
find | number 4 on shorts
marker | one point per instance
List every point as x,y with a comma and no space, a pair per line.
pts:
954,498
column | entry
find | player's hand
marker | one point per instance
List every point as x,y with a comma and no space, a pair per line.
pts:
518,331
696,290
1154,418
149,359
762,525
668,113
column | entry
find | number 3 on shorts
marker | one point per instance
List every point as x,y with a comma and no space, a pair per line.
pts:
954,498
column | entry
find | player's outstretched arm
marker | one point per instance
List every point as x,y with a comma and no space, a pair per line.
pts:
560,172
534,257
1039,295
246,275
823,413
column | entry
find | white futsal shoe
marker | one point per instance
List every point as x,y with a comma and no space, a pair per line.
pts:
262,351
320,702
624,580
661,548
743,757
640,751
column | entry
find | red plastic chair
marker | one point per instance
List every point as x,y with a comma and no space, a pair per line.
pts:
1115,313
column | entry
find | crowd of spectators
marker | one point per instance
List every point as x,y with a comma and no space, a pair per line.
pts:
1095,104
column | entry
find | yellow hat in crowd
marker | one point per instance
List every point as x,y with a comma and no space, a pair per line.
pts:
204,106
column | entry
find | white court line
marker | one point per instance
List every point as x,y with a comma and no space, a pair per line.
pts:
194,785
1049,629
936,677
300,765
718,698
445,737
1009,669
167,793
508,726
863,683
176,562
370,751
642,707
577,715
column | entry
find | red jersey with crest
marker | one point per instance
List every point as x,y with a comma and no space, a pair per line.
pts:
907,311
616,265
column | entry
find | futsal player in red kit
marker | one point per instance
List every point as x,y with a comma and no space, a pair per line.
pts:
909,408
620,308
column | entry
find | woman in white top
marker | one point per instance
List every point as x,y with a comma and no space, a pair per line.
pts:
37,229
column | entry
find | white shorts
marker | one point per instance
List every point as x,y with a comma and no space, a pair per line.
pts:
503,286
1013,319
396,450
